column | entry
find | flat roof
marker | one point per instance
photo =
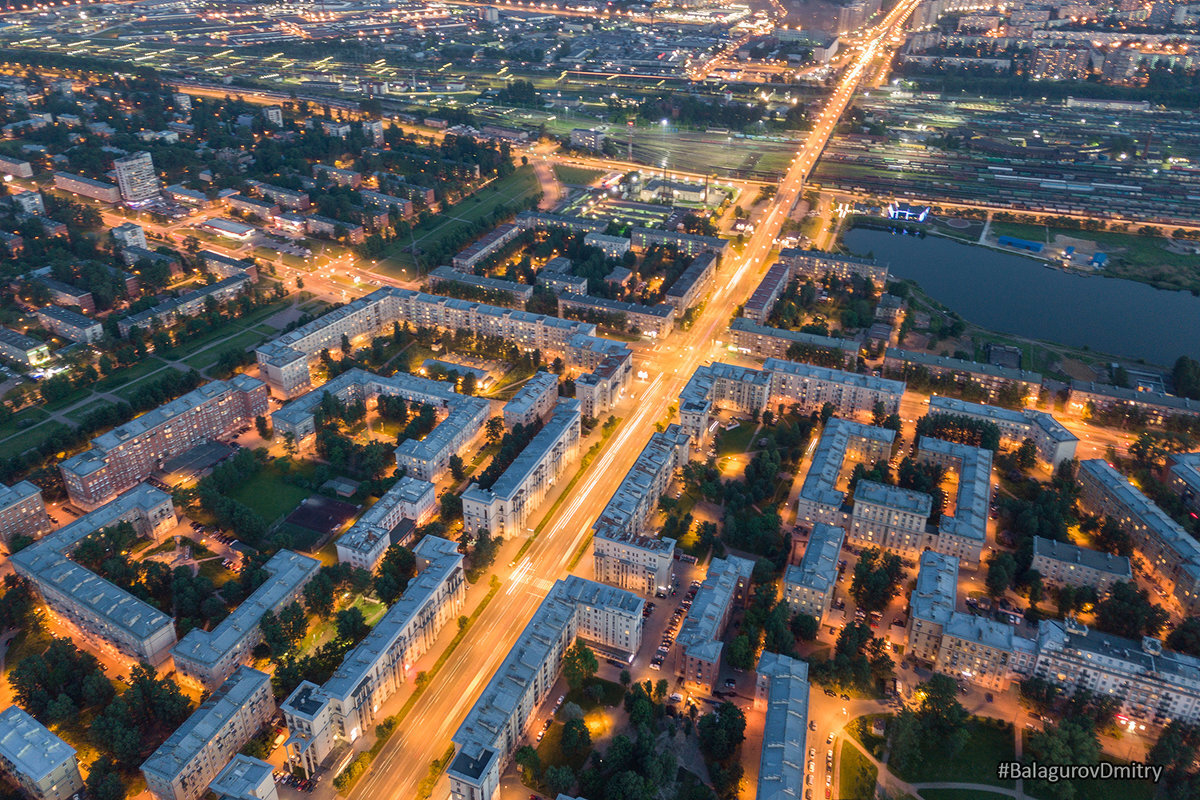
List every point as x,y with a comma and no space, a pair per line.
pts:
702,626
820,483
785,729
934,596
817,569
29,746
961,365
530,392
513,479
1073,554
750,326
893,497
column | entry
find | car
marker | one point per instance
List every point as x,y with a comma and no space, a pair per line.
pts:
534,797
812,766
829,754
812,725
656,664
845,697
541,735
829,779
829,739
730,683
988,697
828,793
808,779
675,698
661,595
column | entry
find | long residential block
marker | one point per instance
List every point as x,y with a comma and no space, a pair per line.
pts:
365,544
808,587
623,554
815,265
320,717
127,455
70,324
987,378
1165,547
1055,444
699,645
535,400
751,338
504,509
502,717
426,458
1067,564
209,657
520,292
694,283
781,685
88,601
1150,407
1183,476
188,304
191,757
654,321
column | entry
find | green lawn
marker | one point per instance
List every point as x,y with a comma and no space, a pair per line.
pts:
30,438
613,695
578,176
986,747
550,751
858,775
78,414
207,358
124,377
479,206
23,420
737,440
268,494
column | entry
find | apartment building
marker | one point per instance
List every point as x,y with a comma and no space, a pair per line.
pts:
1165,547
530,220
70,324
986,377
504,509
291,199
963,532
189,304
762,300
808,587
136,178
698,647
1152,408
42,765
820,499
518,293
245,778
562,283
15,167
129,234
962,645
337,175
605,617
485,247
694,283
319,717
782,383
1066,564
689,244
386,202
187,762
284,362
623,554
611,246
24,350
751,338
83,598
22,512
253,206
1152,684
781,687
1055,444
535,400
815,265
87,187
227,267
461,417
1183,476
654,321
210,657
127,455
364,545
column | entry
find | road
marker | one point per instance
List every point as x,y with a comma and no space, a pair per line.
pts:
404,761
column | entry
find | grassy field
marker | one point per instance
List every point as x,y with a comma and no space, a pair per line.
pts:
268,495
550,751
976,763
30,438
577,176
123,377
1138,258
511,189
858,775
737,440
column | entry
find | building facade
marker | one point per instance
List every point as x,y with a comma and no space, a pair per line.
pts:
698,648
1065,564
808,587
364,545
22,512
36,760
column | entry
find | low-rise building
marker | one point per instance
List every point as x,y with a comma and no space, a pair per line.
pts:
988,378
87,187
699,646
1166,549
36,760
534,401
317,225
364,545
428,458
337,175
485,247
694,283
318,718
781,686
1149,407
562,283
808,588
689,244
129,454
607,618
1066,564
209,657
611,246
87,601
22,512
24,350
758,307
189,304
187,762
588,139
529,220
503,509
15,167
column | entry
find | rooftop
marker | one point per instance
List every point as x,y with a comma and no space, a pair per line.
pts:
701,629
961,365
1073,554
818,567
29,746
816,340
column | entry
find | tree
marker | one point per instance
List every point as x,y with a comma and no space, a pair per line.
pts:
457,468
494,428
575,737
559,778
805,627
528,760
1002,569
1176,751
741,652
264,430
877,578
1071,741
351,625
579,664
1186,637
1128,612
1027,455
722,731
943,719
318,594
905,735
104,782
289,444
